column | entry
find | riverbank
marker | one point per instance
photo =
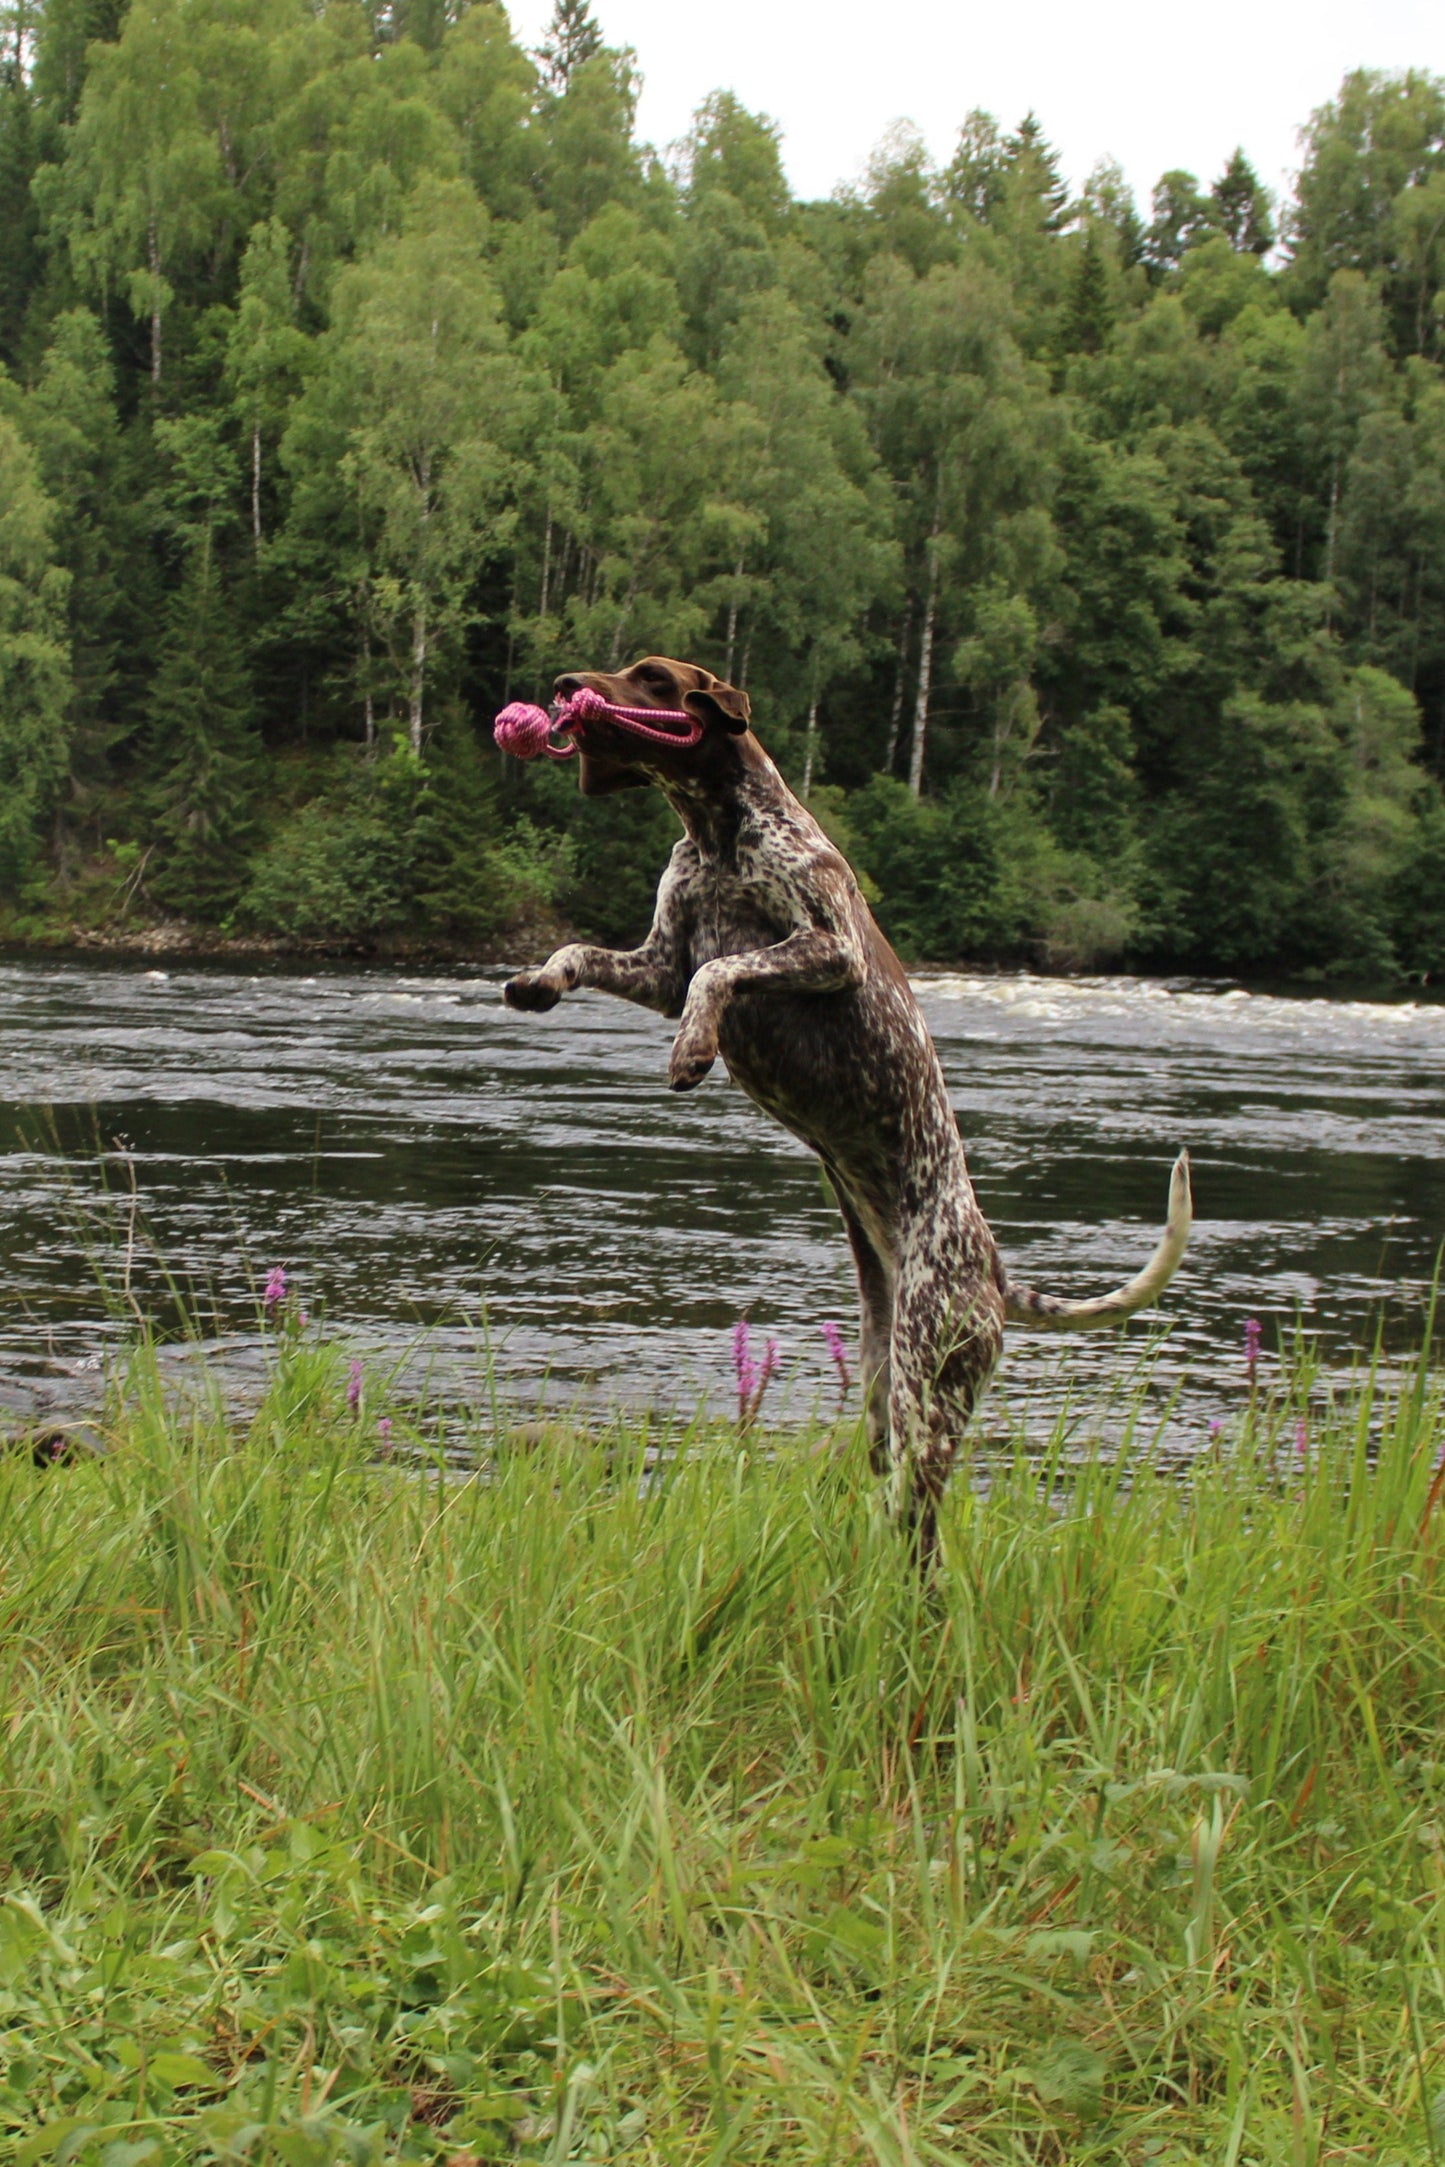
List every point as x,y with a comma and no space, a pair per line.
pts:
614,1809
181,941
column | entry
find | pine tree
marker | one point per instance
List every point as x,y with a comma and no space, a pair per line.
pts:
1091,308
572,39
1033,166
203,735
1242,207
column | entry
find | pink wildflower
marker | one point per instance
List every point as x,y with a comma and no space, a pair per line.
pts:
752,1379
273,1294
833,1340
1253,1334
744,1367
353,1385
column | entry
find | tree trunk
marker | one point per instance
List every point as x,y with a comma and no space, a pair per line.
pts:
418,675
256,486
626,612
1330,539
895,720
368,708
732,621
153,257
925,667
812,746
546,563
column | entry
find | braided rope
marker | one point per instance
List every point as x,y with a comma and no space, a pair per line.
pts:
527,731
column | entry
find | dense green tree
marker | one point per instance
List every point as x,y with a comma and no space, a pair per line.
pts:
486,86
19,157
35,690
414,411
589,159
738,152
963,426
166,151
266,355
1108,204
70,418
977,176
1366,152
1183,216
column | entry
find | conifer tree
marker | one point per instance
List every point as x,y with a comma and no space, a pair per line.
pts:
1242,207
1090,312
203,735
201,719
572,39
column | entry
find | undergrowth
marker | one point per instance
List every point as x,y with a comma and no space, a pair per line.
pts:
625,1804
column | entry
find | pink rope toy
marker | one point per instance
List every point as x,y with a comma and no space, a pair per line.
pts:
528,731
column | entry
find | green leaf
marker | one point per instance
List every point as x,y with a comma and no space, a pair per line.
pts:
46,2143
177,2069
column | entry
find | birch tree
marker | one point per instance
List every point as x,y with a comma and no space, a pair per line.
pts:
419,404
963,427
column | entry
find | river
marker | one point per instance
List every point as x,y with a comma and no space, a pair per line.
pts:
448,1182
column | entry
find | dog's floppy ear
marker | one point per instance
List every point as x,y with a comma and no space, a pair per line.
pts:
720,702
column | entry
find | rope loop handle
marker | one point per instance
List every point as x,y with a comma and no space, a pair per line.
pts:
527,731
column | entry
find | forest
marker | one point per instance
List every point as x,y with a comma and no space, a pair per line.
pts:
360,369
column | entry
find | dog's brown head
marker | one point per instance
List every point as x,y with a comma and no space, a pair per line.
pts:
613,759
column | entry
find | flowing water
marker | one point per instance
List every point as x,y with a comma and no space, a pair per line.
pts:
443,1178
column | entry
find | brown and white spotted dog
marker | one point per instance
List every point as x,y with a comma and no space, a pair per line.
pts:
765,950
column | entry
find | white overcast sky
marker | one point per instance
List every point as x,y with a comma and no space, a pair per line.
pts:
1152,84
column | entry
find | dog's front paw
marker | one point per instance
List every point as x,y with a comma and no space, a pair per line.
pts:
692,1056
534,990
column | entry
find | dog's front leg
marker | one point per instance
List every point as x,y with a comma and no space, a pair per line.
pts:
813,961
644,975
654,975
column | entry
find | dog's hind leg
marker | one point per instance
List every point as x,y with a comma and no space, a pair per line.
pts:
947,1338
876,1274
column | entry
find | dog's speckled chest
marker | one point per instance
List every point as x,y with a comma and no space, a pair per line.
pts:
751,891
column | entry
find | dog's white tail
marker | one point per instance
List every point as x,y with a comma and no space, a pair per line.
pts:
1046,1313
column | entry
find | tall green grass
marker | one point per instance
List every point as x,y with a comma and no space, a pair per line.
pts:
615,1808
